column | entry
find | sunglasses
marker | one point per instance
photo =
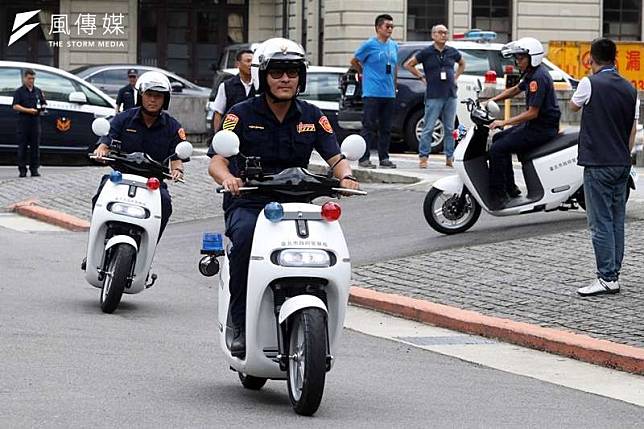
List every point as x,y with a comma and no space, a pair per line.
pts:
278,73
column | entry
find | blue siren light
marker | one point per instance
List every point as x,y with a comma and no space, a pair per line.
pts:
212,241
116,177
274,211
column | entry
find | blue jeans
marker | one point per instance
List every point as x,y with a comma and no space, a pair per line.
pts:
445,108
605,192
377,114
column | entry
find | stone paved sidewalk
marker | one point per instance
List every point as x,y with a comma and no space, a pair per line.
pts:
70,190
530,280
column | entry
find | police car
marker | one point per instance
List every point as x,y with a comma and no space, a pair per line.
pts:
484,63
72,105
322,90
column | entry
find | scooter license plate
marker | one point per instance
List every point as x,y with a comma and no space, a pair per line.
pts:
634,175
351,89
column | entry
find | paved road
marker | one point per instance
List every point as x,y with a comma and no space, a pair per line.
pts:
154,363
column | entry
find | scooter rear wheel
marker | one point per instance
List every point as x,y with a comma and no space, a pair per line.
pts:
306,369
250,382
443,214
116,274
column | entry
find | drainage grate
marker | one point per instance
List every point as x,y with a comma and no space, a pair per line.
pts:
452,340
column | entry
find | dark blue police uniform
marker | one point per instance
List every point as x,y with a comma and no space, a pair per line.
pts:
125,97
28,130
540,93
280,146
158,141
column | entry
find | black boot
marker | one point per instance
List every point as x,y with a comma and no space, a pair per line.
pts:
35,173
22,173
499,200
514,191
238,345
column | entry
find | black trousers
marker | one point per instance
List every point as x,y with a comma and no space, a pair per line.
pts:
28,136
240,228
517,139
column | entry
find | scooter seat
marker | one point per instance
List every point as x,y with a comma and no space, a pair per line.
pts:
565,139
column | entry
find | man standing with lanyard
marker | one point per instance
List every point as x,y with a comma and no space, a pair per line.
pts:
376,59
29,102
606,138
234,90
440,99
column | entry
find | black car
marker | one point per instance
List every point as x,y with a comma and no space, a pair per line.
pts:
408,121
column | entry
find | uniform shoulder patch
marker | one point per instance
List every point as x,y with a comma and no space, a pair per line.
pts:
534,86
325,124
230,122
182,133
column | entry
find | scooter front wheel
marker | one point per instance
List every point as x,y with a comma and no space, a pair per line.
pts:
116,276
306,369
447,214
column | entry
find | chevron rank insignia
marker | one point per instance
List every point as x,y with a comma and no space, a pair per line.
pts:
230,122
305,128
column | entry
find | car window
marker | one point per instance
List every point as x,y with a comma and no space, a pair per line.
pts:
113,77
322,87
55,87
477,61
92,97
9,81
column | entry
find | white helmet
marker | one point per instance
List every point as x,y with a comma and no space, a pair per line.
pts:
277,53
153,81
528,46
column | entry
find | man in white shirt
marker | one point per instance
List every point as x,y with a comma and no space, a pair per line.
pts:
234,90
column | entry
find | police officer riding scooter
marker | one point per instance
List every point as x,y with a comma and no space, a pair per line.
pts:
538,124
282,131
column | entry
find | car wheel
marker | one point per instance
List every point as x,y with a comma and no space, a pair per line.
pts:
415,126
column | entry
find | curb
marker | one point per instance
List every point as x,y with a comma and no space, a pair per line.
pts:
372,176
577,346
30,208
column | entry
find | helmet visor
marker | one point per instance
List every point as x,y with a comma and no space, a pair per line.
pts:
153,86
512,49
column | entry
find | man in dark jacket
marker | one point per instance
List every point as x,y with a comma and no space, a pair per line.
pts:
125,96
606,138
29,102
237,88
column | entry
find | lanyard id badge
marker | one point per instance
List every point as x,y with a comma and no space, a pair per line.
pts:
443,75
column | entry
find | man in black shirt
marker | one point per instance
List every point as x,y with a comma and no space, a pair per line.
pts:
126,94
29,102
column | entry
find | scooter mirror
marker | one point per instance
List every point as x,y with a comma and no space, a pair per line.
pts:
101,127
353,147
493,109
183,150
225,143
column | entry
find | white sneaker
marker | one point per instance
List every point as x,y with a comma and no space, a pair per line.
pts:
599,287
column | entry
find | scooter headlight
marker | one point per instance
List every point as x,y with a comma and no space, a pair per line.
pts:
129,210
304,258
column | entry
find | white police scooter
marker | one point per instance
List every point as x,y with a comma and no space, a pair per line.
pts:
125,223
298,280
554,180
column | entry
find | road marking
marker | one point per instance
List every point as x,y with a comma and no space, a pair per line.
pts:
505,357
25,224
